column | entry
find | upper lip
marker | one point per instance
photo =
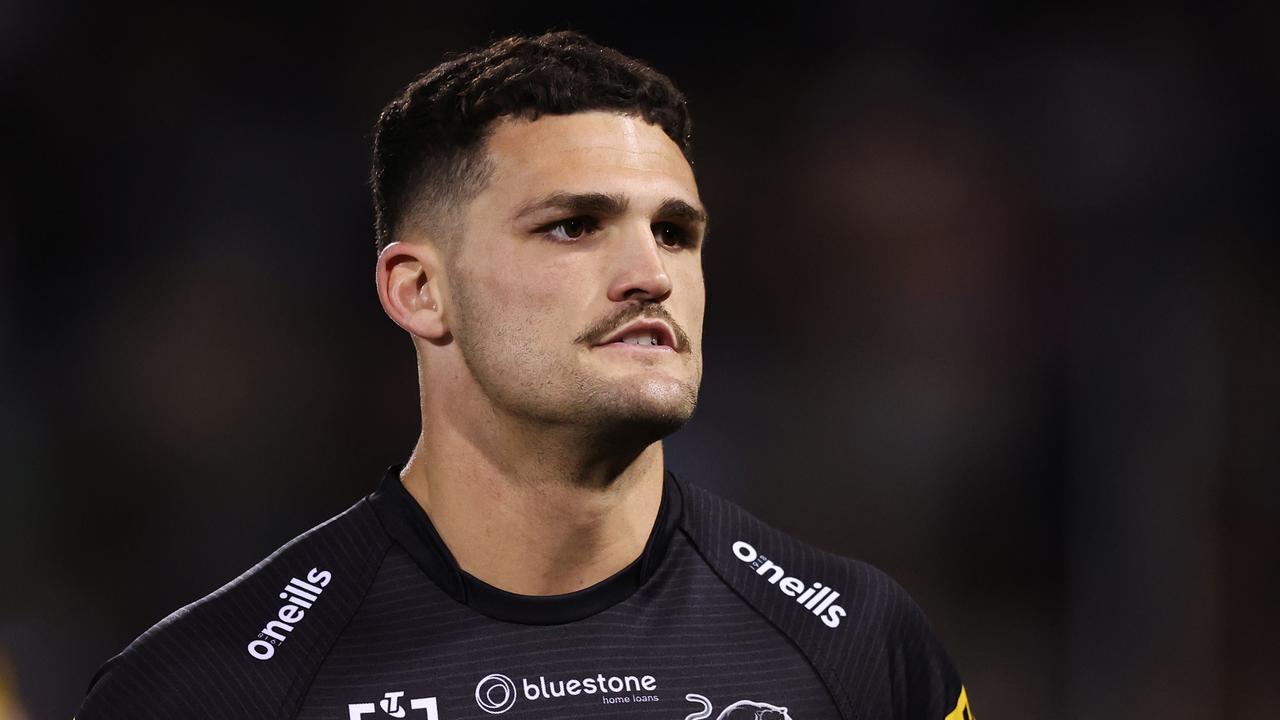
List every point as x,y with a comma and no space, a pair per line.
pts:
663,331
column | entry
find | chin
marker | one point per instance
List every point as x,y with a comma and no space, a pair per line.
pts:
645,416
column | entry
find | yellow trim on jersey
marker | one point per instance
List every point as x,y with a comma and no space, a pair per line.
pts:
962,711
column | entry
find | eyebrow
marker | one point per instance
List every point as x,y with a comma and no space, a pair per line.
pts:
611,204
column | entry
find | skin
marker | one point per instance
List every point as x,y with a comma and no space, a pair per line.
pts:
540,460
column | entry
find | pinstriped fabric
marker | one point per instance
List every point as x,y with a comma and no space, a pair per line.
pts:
195,663
712,633
684,628
880,661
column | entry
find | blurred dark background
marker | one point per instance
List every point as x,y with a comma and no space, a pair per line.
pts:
992,304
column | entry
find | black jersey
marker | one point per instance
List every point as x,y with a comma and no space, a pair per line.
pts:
369,616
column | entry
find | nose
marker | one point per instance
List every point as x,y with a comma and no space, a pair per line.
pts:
639,267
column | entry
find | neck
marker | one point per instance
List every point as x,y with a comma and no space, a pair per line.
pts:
542,512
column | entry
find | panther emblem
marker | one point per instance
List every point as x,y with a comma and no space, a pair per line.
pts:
741,710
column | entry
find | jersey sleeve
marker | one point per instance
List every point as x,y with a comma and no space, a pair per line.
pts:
249,649
866,637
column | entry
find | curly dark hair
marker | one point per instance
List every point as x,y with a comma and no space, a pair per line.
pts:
429,156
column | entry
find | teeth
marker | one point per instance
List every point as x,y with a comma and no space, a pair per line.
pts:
641,339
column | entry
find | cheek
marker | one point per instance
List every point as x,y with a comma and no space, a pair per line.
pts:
530,301
532,295
512,282
691,286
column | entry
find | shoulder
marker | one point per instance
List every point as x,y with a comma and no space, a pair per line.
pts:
863,632
248,649
779,568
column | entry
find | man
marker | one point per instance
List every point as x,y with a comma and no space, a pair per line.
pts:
540,232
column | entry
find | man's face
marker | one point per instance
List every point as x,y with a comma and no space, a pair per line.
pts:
538,285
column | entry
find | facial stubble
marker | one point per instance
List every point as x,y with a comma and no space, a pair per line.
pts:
528,378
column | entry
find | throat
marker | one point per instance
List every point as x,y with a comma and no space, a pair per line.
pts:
548,565
541,538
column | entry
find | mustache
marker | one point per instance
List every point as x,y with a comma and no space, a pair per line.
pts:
624,315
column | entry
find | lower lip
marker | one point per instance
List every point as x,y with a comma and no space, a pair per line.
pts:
641,350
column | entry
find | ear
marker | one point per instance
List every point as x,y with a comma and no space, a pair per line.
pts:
410,287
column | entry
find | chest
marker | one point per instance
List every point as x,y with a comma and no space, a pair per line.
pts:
685,648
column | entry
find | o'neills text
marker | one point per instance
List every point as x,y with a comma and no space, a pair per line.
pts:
301,596
817,599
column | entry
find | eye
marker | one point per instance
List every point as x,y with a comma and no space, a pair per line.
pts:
570,229
672,235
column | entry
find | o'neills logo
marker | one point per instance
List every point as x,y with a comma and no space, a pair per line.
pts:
817,598
301,595
496,693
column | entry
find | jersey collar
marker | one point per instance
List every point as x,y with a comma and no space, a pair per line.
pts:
406,521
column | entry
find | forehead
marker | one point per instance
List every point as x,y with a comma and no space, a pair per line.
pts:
590,151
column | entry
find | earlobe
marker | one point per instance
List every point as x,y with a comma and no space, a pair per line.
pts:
409,289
